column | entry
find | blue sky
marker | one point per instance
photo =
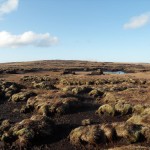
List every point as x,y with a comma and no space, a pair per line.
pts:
110,30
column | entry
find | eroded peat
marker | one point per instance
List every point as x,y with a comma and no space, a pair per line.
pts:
74,106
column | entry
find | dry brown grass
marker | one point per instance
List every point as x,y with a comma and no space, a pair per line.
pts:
132,88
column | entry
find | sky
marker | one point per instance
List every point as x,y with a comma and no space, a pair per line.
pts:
95,30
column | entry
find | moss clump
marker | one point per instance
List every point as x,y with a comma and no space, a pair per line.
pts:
86,122
96,93
109,98
22,96
29,130
138,109
81,90
122,108
106,109
91,134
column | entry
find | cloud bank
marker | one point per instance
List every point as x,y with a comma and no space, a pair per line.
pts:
29,38
8,6
137,21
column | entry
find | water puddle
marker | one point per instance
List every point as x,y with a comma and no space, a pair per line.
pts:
114,72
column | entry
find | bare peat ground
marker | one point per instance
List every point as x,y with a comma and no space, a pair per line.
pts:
133,88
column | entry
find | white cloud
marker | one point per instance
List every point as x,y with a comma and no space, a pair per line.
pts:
8,6
29,38
137,21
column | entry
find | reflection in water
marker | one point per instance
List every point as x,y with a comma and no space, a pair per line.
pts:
114,72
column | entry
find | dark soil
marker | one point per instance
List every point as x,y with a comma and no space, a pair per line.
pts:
67,122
